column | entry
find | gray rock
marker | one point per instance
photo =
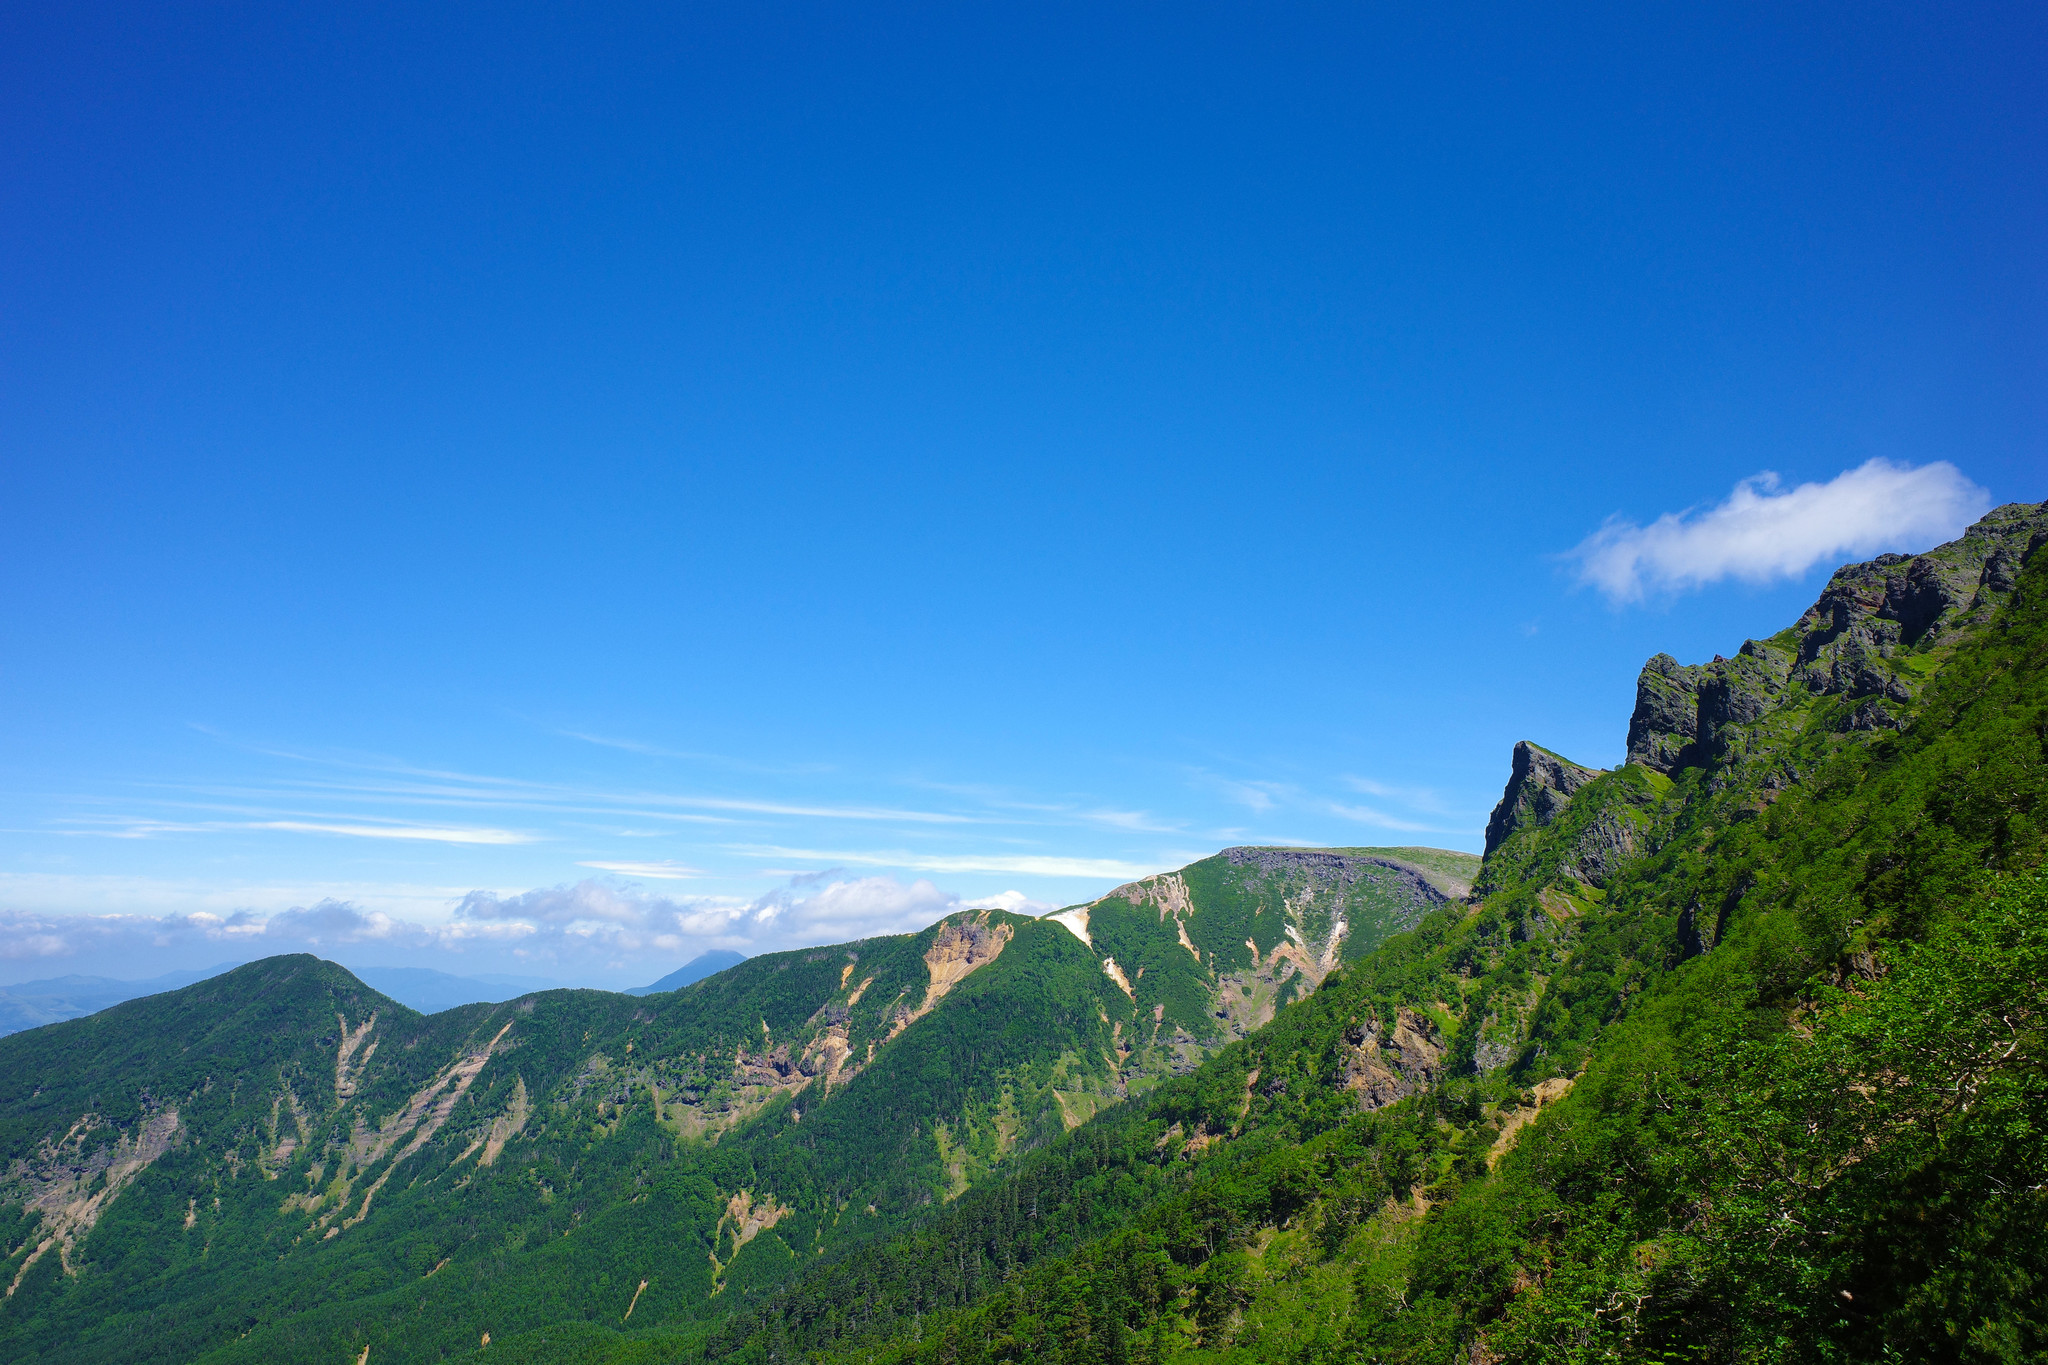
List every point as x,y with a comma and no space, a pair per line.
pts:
1607,844
1666,718
1540,786
1845,645
1874,715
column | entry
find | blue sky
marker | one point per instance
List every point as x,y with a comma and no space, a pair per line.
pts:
515,489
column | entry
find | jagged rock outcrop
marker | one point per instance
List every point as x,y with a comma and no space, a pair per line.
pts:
1848,644
1384,1068
1683,711
1540,786
1603,847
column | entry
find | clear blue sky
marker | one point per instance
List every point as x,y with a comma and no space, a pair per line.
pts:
452,449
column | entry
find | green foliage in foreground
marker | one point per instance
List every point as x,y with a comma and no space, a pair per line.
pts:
1867,1180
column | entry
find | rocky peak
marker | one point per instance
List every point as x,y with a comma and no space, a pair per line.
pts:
1540,786
1846,644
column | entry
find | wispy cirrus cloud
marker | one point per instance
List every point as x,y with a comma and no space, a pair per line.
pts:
1037,865
1365,815
508,793
393,779
441,834
663,870
1425,799
142,827
1138,821
1417,810
746,765
1258,796
1761,532
594,931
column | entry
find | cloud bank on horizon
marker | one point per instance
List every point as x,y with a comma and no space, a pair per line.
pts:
1762,533
246,851
592,932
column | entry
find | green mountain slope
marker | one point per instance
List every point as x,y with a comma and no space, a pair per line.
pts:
1737,1052
283,1164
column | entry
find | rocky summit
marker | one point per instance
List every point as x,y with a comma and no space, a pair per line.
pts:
1875,636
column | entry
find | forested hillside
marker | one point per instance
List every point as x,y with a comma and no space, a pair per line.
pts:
280,1163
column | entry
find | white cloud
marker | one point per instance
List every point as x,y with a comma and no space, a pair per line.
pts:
1761,533
62,894
623,920
865,907
440,834
116,943
664,870
593,931
1024,865
1365,815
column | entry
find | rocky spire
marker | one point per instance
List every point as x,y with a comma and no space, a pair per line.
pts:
1540,786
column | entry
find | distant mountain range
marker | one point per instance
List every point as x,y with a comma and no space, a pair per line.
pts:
32,1004
699,967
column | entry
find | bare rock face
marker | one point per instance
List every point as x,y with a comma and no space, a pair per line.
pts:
1382,1069
1847,644
1666,718
1540,786
1602,849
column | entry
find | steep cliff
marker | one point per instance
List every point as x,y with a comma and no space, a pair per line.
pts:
1540,786
1875,635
